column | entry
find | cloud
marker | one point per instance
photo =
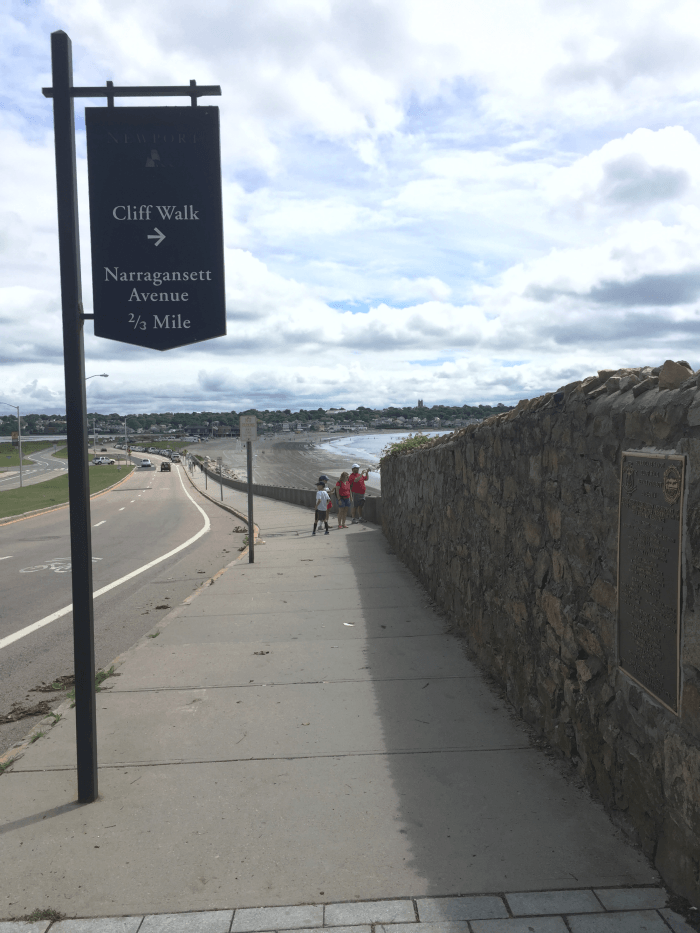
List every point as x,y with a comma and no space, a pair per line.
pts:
450,201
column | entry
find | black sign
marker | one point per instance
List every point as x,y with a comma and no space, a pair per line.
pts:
156,224
649,571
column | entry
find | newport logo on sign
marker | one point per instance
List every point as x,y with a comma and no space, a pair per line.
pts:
156,224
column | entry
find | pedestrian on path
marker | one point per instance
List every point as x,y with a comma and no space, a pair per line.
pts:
321,510
324,479
342,489
357,486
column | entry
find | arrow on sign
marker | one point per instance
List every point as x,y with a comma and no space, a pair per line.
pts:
158,236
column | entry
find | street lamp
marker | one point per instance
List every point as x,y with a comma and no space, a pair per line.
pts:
94,432
19,438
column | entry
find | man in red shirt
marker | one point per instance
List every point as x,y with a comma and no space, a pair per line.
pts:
357,485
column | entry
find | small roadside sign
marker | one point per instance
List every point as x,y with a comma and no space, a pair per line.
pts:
249,427
15,439
156,224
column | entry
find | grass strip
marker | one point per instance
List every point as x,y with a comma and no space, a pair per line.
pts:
55,491
9,455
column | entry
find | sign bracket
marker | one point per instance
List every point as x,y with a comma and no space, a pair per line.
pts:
193,91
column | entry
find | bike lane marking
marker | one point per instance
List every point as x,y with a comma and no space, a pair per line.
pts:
99,523
47,620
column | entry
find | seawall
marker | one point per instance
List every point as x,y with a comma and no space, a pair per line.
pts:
512,526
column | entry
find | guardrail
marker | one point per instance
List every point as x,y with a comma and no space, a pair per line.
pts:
303,497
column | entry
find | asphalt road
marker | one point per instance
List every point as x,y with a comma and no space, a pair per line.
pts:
44,466
147,516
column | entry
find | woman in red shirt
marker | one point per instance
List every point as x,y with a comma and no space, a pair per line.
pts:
342,491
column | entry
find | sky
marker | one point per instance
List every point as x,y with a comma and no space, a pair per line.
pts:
450,200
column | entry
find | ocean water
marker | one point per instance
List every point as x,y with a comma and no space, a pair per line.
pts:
366,449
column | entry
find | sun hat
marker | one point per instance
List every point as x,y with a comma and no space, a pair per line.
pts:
356,465
322,478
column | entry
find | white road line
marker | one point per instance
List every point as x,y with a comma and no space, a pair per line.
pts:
99,523
122,508
22,633
6,558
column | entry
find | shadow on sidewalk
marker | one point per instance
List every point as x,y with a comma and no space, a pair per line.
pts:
481,809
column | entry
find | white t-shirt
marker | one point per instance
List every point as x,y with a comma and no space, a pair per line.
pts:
322,498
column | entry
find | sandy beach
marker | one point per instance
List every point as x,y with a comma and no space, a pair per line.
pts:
291,461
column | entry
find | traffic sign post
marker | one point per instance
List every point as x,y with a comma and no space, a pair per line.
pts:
249,433
209,321
156,224
220,461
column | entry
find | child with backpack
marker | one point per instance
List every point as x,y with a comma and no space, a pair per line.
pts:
322,503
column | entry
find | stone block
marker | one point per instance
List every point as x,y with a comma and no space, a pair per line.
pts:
604,594
439,926
690,707
533,532
585,637
628,921
479,907
553,514
649,383
552,609
673,375
631,898
99,925
517,925
400,911
676,922
253,919
23,926
553,902
694,413
205,921
366,928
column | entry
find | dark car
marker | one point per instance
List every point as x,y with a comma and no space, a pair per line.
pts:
165,467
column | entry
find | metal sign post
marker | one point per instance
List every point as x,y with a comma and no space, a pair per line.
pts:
249,433
63,93
219,460
76,417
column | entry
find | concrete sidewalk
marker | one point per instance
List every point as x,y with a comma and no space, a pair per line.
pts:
304,732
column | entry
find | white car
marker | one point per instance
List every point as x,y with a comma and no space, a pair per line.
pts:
99,461
146,463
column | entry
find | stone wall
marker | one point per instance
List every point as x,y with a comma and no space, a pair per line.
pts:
512,526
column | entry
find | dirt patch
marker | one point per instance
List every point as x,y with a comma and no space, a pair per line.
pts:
18,711
61,683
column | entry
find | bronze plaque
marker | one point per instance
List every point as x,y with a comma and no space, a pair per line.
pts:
650,538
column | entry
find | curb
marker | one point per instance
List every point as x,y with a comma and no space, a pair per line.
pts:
227,508
55,508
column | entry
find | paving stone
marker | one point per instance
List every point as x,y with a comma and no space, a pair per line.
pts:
104,925
461,908
628,921
530,925
369,912
553,902
358,929
444,926
23,926
205,921
277,918
631,898
675,921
